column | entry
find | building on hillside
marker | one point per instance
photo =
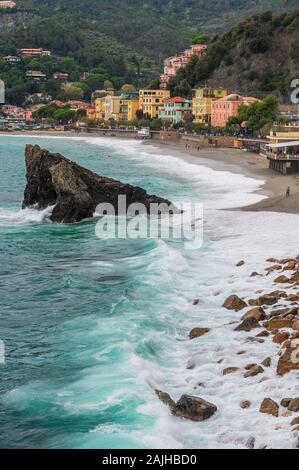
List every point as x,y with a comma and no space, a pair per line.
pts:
15,112
61,76
75,105
119,108
174,63
226,107
12,59
7,4
98,94
39,52
91,113
36,98
174,109
36,75
151,100
202,103
11,110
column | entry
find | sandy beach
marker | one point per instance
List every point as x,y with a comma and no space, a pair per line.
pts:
273,185
250,164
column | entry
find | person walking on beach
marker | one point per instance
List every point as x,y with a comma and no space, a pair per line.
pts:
288,192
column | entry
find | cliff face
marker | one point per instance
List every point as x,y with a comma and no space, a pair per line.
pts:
74,191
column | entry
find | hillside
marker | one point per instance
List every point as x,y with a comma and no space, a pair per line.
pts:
258,56
125,41
156,28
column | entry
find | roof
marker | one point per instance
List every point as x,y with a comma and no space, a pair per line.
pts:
177,99
295,143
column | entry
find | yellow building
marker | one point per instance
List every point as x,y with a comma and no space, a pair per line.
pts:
150,100
108,107
133,107
119,108
202,103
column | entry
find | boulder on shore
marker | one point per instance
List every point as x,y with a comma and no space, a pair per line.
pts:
74,191
188,407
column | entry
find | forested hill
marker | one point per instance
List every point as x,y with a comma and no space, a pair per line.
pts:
156,28
125,41
258,56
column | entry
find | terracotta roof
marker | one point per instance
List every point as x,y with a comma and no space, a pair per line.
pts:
177,99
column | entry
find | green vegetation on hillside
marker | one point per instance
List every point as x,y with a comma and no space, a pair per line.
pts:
257,56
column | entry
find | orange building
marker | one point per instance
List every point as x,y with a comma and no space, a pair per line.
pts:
224,108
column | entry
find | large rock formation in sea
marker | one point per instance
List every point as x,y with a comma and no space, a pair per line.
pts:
74,191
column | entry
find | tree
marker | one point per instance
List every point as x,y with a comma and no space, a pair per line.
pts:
257,115
64,115
72,92
201,38
108,84
128,88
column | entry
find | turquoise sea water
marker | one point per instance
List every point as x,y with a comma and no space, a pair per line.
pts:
92,327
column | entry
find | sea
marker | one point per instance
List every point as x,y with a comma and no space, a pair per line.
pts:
91,327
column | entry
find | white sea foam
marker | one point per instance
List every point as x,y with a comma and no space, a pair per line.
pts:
156,357
24,216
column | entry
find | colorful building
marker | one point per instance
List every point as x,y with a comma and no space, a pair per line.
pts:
133,107
12,59
202,103
7,4
174,109
151,100
60,76
174,63
91,113
39,52
226,107
119,108
36,75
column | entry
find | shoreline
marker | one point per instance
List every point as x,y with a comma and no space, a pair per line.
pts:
273,185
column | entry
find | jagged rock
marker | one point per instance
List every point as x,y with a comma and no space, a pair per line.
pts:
282,279
245,404
74,191
255,274
188,407
241,263
295,421
230,370
294,405
266,362
289,360
255,370
233,302
285,402
198,332
248,325
250,444
194,408
195,302
263,334
278,323
280,337
275,267
166,399
258,313
295,325
269,407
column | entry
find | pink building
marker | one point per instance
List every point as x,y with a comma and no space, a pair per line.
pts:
174,63
226,107
12,111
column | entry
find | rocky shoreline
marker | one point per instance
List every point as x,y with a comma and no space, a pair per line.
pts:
267,318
